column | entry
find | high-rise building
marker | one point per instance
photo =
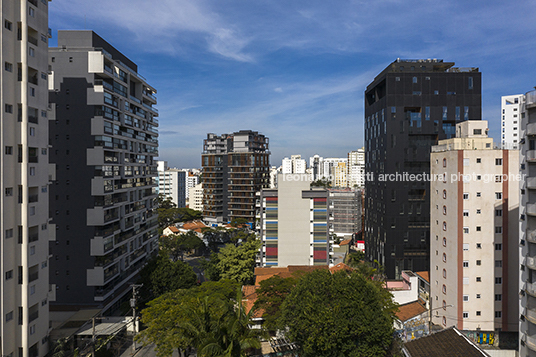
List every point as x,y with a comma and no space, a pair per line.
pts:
511,107
316,164
196,197
339,173
356,168
172,184
235,167
104,140
192,179
294,165
24,286
474,228
527,226
345,206
294,223
409,106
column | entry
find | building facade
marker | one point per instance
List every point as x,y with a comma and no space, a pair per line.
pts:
195,199
294,223
356,169
235,167
345,212
511,108
104,140
409,106
172,183
24,265
527,228
474,227
316,164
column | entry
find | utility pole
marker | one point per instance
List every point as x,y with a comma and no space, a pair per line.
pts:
134,318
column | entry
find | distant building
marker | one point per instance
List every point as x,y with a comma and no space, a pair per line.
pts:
345,212
474,229
294,165
235,167
511,111
356,169
196,197
192,180
172,184
316,164
294,223
408,107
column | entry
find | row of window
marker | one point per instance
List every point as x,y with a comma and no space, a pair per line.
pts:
466,161
498,195
498,314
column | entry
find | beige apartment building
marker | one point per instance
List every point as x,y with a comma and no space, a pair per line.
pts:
473,235
24,284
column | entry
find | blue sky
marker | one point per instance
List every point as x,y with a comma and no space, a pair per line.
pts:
296,70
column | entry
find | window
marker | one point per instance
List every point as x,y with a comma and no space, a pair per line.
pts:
478,228
470,83
9,275
397,79
444,242
498,161
32,289
444,162
466,213
477,131
498,297
479,194
8,108
444,226
465,196
479,262
466,230
478,211
465,315
444,257
9,191
444,193
444,289
478,296
444,209
8,150
31,11
9,316
8,25
498,280
478,279
498,178
498,314
8,66
498,264
465,246
32,171
498,229
32,92
466,264
498,246
478,160
498,195
445,273
9,233
32,329
31,52
414,79
478,177
498,213
32,131
466,298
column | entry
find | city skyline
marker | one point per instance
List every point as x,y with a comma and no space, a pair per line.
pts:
297,72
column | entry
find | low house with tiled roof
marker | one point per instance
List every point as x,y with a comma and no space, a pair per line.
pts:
171,230
412,320
445,343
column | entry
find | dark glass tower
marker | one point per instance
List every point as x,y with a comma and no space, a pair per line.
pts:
409,106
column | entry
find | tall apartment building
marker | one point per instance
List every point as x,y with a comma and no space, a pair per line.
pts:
345,207
192,179
172,183
527,226
474,229
195,199
24,286
511,107
104,140
316,164
356,168
294,165
409,106
294,223
235,167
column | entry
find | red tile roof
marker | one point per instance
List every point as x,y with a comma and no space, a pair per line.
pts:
339,267
345,242
173,229
410,310
424,274
194,226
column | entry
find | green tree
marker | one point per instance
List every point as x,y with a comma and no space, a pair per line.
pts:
238,263
323,182
168,215
174,246
238,222
161,275
271,294
206,318
344,314
210,267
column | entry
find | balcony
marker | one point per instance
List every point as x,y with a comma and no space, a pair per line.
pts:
530,342
530,314
33,316
531,129
530,288
531,183
530,99
531,155
530,262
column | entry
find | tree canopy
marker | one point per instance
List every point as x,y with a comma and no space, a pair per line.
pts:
175,245
238,263
339,315
207,318
271,294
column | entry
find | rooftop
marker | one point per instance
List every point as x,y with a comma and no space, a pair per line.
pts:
445,343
